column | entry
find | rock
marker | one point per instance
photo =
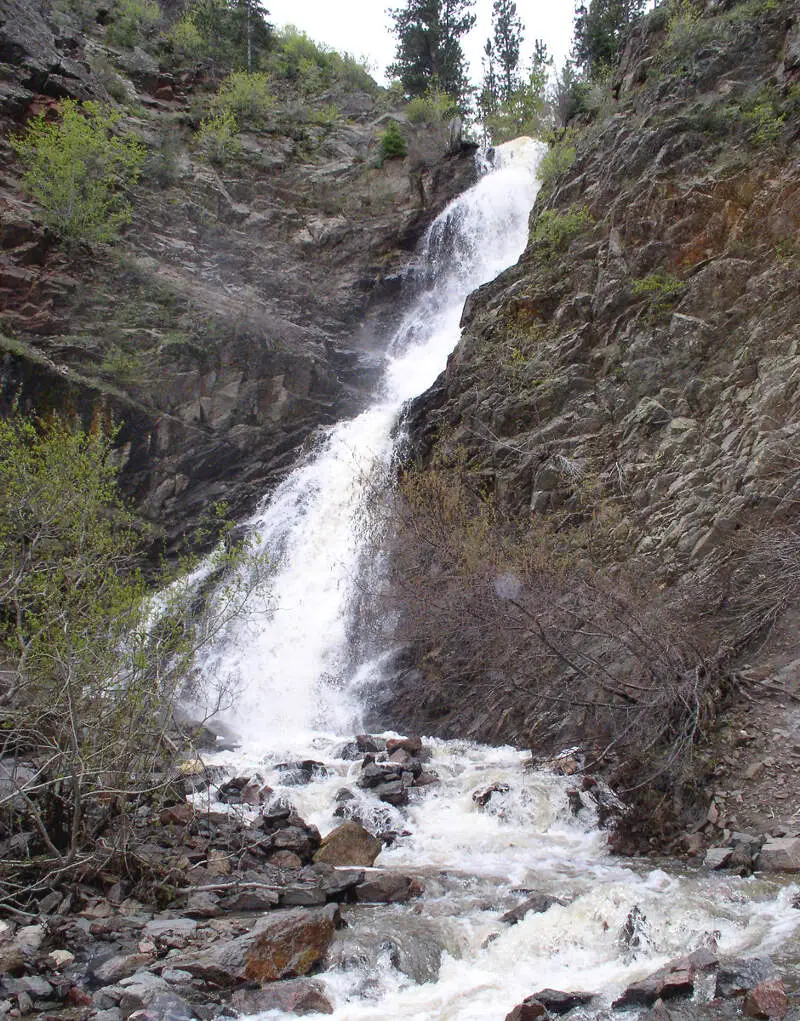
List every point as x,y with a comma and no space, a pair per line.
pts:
411,745
717,857
290,944
389,888
161,1006
60,958
393,793
374,775
766,1000
30,937
538,903
283,944
780,855
483,796
296,774
675,979
558,1002
286,860
292,996
203,905
738,976
178,815
528,1010
12,959
349,844
32,985
119,967
159,927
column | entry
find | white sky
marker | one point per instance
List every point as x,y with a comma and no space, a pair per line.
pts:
361,27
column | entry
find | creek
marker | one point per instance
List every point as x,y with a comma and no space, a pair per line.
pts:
302,695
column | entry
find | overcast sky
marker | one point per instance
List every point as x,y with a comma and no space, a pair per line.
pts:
362,27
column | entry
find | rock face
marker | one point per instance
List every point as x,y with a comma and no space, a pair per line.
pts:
626,395
243,308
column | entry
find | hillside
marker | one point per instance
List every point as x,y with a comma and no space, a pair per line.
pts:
606,473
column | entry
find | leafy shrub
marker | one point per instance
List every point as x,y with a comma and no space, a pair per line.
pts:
432,108
558,229
556,161
313,67
216,139
186,38
78,171
393,144
662,290
131,20
763,118
245,97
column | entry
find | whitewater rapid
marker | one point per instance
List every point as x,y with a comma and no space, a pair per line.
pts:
447,956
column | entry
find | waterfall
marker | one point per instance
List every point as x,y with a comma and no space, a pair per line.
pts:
450,956
291,667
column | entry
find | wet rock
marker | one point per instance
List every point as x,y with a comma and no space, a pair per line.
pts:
363,744
675,979
297,774
349,844
161,1006
766,1000
558,1002
389,888
373,775
528,1010
394,793
411,745
292,996
780,855
537,904
717,857
738,976
483,796
336,884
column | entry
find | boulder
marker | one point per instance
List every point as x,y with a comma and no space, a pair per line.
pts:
558,1002
349,844
297,774
737,976
389,888
766,1000
483,796
675,979
717,857
781,854
292,996
537,904
529,1010
412,745
119,967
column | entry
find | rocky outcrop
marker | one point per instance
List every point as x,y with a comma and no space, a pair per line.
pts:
626,395
247,303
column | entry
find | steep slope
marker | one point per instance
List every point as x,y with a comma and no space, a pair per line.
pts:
246,302
612,445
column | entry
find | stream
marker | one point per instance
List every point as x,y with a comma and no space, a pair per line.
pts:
447,955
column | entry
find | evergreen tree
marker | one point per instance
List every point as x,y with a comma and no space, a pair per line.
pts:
488,99
429,54
600,31
507,28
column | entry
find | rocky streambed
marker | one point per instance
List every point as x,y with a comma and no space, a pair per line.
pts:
388,877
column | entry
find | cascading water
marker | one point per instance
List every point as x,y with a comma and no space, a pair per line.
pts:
448,956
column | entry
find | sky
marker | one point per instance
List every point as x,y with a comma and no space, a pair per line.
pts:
362,27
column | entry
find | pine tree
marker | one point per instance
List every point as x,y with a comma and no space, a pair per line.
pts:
429,54
488,99
507,28
600,31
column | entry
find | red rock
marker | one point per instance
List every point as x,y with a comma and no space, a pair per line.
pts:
412,745
177,815
528,1010
78,997
766,1000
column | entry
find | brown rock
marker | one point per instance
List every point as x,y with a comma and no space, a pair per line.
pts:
120,967
349,844
177,815
780,855
293,996
528,1010
285,860
766,1000
389,888
412,745
290,944
674,979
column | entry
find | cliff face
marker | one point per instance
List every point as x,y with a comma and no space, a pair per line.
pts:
628,396
245,305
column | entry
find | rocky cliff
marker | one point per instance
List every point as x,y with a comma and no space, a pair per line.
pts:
245,304
618,427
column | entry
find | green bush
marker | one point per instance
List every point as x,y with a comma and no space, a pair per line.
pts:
78,171
216,139
393,144
432,108
186,38
556,161
557,229
131,21
763,118
662,290
245,97
313,67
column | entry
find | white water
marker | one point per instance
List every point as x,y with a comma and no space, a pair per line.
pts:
451,958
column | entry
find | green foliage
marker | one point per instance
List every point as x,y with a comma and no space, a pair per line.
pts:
313,68
131,21
186,39
228,33
393,144
429,54
556,161
507,38
556,229
600,31
244,96
217,138
763,118
78,171
431,108
662,291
